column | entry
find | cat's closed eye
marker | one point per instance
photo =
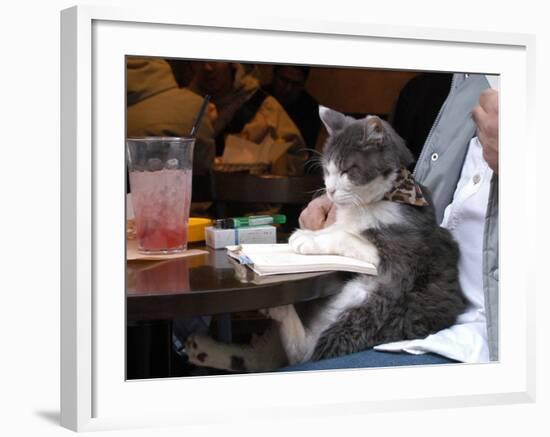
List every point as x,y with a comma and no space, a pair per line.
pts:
351,168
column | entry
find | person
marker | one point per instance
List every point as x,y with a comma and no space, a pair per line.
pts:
182,70
245,110
459,165
156,106
417,107
288,87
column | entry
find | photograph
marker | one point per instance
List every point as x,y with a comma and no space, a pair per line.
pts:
285,217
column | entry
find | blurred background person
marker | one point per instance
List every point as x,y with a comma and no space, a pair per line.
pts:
245,110
182,70
417,106
156,106
288,87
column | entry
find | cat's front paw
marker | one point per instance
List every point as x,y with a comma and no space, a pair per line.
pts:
304,242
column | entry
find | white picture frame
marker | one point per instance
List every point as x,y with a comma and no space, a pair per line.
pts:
94,41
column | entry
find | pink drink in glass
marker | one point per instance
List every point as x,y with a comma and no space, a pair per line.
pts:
161,201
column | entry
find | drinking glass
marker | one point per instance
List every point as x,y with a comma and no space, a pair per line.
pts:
160,171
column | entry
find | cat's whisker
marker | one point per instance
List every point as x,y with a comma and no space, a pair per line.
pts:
309,149
316,193
313,165
315,160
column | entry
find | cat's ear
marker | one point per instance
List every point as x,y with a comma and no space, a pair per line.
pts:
334,121
374,130
380,132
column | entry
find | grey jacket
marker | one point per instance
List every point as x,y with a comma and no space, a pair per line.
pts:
439,167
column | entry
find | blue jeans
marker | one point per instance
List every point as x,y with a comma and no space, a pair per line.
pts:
370,358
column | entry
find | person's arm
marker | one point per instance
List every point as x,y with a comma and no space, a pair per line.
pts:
318,214
271,120
486,118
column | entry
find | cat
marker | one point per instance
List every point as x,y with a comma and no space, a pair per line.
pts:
383,217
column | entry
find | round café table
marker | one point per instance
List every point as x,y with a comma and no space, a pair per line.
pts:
208,284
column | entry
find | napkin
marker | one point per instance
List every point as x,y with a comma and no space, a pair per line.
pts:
132,253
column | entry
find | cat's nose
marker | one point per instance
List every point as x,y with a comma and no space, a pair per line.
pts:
331,191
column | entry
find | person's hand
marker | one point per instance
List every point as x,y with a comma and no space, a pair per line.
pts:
319,213
211,112
486,118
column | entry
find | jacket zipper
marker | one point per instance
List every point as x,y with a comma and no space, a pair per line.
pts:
435,123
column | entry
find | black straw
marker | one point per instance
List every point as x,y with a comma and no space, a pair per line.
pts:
198,120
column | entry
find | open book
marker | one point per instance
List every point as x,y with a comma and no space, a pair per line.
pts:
274,259
246,275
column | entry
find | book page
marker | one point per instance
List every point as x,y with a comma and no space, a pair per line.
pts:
280,258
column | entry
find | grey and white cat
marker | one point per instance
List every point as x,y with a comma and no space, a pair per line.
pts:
416,291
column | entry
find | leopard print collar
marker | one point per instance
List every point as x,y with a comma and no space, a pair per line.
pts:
406,190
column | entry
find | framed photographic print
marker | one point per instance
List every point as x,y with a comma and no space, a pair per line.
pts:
128,325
